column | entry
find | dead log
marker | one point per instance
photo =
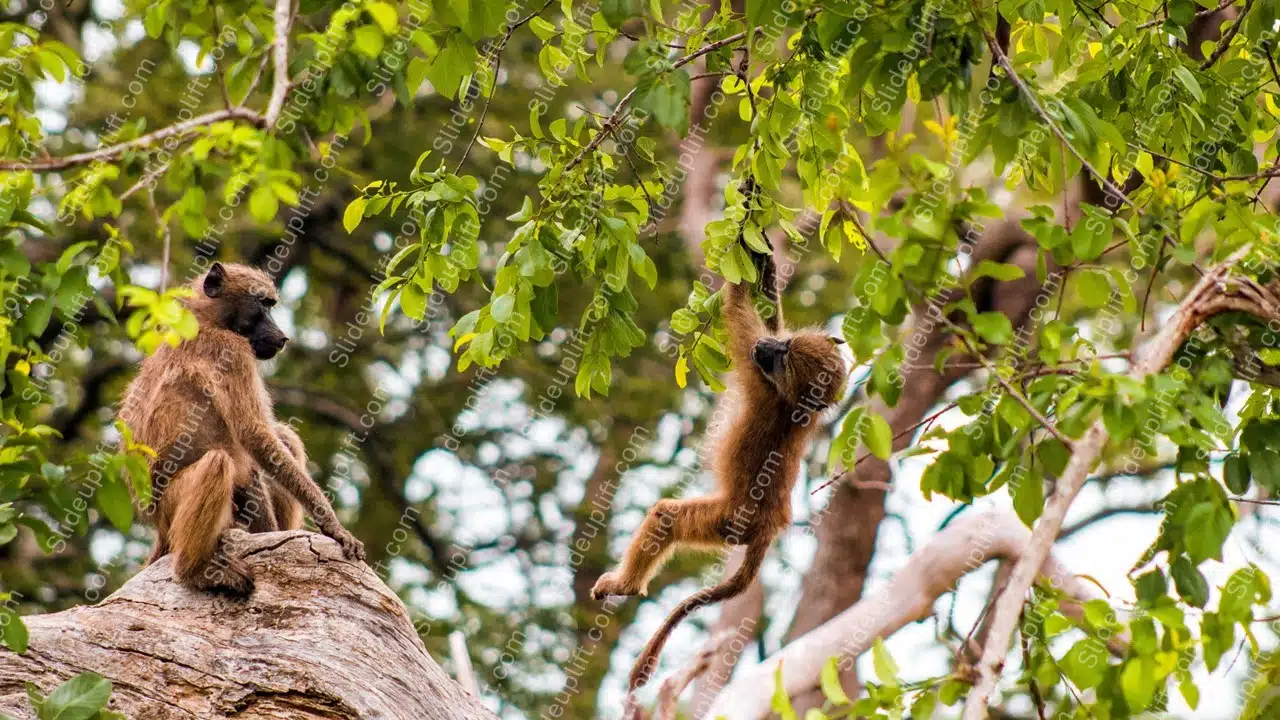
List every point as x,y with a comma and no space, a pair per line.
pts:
319,638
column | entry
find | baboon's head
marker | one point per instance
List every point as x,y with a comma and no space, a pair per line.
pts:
806,368
241,298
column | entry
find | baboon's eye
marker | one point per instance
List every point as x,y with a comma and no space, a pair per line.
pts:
837,341
268,302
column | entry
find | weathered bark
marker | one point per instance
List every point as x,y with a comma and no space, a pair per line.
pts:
319,638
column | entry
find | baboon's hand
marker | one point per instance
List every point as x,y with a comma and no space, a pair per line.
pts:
352,549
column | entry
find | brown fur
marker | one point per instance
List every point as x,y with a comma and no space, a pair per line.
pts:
781,381
204,408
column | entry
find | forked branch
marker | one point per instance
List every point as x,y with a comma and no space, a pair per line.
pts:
1219,290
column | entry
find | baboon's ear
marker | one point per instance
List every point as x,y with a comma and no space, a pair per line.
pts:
214,279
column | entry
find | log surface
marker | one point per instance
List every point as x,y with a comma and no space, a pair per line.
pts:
319,638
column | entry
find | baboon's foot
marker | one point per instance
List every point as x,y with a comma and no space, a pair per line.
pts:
611,583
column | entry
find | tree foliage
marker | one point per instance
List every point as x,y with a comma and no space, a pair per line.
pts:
872,142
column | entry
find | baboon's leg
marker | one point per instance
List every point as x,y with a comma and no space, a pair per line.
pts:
288,510
255,507
669,524
201,497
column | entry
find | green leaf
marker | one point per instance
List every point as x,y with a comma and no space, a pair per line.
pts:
878,436
762,12
1264,467
114,501
830,679
1191,585
1094,287
385,15
502,308
886,669
683,321
668,99
1028,497
616,12
78,698
1206,529
263,204
36,317
1138,681
1000,271
13,631
68,256
994,327
368,40
1091,234
1084,663
780,703
1189,82
413,301
353,214
1150,587
923,707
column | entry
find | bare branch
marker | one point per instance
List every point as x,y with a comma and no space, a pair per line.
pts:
1009,388
112,151
960,548
280,59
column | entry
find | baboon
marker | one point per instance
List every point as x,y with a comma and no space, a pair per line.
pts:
781,381
221,456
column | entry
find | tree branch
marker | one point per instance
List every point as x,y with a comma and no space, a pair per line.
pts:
112,151
280,59
1217,291
962,547
1227,37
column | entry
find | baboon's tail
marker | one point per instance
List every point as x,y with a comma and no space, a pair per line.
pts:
732,587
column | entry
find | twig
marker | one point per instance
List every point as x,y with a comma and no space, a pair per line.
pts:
1227,37
1256,501
147,180
497,65
911,428
1222,5
111,151
615,118
1009,388
164,226
1036,697
280,52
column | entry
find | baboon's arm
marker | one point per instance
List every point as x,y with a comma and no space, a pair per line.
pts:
742,322
270,453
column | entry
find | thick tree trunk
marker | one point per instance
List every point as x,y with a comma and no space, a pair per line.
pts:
319,638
